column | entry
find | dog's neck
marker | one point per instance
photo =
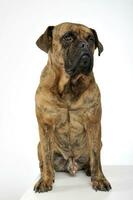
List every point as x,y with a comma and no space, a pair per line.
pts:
76,86
60,82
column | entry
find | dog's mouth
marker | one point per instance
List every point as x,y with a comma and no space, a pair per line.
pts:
82,65
84,61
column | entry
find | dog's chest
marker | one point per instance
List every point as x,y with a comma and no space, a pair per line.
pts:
70,135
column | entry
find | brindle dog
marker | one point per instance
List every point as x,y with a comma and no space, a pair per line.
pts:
68,106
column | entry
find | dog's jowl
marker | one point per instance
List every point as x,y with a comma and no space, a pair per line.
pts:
68,106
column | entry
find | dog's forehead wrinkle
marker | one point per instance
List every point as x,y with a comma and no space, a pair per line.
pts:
61,29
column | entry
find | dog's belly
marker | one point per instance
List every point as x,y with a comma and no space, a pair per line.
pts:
70,141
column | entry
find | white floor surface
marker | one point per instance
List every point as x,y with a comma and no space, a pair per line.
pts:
79,187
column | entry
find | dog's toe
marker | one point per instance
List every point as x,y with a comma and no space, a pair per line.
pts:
41,186
101,185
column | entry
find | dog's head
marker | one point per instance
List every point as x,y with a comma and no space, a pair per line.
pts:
71,46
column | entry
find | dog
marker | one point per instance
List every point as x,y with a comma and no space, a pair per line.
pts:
68,106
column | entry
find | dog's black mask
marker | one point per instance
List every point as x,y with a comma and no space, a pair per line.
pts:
78,55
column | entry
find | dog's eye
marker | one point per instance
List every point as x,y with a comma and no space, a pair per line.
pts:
68,37
90,39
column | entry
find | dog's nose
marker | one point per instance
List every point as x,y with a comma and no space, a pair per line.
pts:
83,45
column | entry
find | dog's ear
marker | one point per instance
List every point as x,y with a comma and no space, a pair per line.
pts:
98,44
44,42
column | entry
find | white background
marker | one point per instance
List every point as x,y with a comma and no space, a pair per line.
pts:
21,62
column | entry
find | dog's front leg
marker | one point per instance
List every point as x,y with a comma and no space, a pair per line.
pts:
45,155
99,182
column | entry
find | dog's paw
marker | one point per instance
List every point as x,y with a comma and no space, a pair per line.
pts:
41,186
101,184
